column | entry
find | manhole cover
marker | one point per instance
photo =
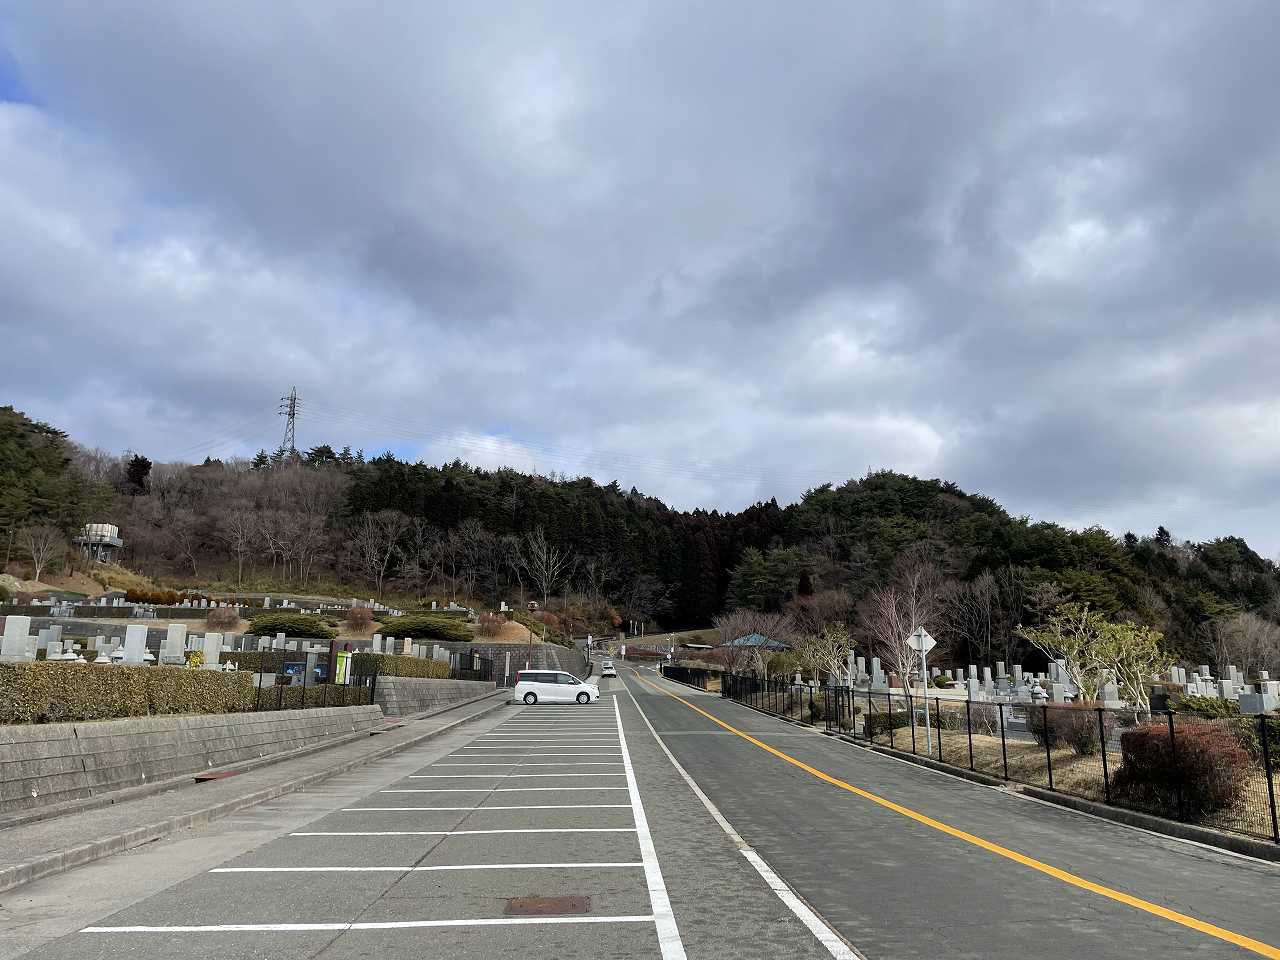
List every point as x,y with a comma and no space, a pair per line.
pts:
547,906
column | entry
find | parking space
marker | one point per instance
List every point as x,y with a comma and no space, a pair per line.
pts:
532,837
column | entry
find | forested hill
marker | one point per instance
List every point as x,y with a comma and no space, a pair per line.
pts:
631,550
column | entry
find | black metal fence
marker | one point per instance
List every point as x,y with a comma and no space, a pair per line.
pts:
782,698
694,676
296,691
470,666
1219,773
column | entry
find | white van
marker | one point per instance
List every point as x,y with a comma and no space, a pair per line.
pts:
552,686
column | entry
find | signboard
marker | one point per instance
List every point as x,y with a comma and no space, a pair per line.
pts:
921,642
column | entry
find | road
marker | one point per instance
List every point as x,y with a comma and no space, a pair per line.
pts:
936,866
659,823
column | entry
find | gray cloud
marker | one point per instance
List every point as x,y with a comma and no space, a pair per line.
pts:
720,252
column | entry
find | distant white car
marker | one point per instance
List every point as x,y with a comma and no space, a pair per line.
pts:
607,669
552,686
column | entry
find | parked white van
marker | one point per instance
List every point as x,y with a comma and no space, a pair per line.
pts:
552,686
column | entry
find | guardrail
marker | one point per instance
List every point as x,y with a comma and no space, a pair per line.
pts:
1220,773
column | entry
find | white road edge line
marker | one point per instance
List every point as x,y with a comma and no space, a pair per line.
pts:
669,941
831,940
367,925
456,833
435,868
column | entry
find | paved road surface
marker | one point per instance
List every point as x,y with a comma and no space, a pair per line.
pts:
434,854
899,888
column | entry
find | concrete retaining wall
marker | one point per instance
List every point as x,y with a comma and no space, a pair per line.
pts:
402,696
52,762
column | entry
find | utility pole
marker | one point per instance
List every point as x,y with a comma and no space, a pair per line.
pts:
289,410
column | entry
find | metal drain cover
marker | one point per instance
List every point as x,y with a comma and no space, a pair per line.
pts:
547,906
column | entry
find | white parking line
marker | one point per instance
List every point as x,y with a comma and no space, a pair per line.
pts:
457,833
434,868
669,941
496,789
364,925
513,776
545,806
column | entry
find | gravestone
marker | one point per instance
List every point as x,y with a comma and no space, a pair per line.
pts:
1017,674
971,689
135,643
212,651
173,650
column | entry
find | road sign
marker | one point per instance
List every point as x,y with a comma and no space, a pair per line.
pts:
921,642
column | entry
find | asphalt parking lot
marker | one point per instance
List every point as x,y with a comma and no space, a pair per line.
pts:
533,837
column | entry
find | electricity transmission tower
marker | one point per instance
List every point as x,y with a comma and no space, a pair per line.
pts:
289,410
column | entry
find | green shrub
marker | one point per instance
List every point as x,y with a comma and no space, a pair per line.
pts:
879,724
291,625
942,681
1074,726
425,626
391,665
1211,708
256,661
1204,765
57,691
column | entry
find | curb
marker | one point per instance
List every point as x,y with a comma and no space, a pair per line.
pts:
50,864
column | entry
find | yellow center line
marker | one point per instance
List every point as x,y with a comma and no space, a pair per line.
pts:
1230,936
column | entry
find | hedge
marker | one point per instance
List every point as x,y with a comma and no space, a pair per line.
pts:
393,665
427,627
1205,768
258,661
879,724
53,692
291,625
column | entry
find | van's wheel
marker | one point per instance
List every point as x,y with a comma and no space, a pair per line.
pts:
531,698
584,698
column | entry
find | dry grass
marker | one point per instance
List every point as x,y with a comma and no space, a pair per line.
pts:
1075,775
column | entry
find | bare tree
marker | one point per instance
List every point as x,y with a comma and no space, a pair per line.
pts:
512,551
375,536
826,651
891,613
238,529
183,527
420,555
743,622
42,543
1247,640
597,572
547,564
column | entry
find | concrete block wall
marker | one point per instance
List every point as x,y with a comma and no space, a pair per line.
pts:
52,762
403,696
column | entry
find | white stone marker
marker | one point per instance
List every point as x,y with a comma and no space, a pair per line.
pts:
212,650
135,643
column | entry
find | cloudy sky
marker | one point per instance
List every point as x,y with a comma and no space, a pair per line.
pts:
718,251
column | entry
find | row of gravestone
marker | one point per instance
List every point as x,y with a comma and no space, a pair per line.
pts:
1260,697
20,645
